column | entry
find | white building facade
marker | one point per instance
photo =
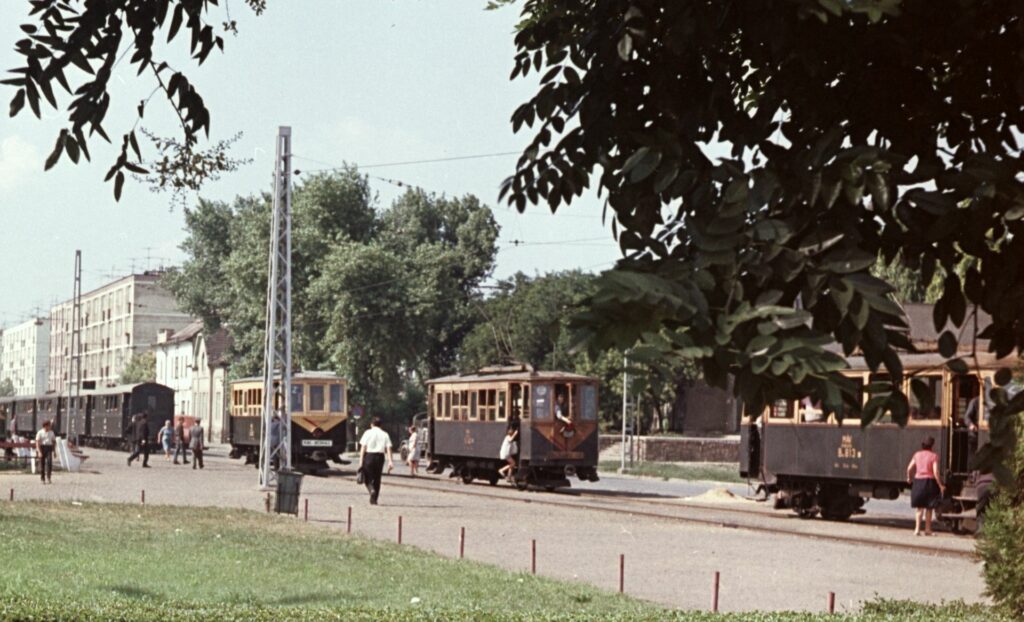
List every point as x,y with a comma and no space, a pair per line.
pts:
194,365
119,320
24,356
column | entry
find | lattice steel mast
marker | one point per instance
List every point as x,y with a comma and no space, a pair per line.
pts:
277,358
75,360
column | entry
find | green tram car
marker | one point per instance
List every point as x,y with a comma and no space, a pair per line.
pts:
468,416
821,465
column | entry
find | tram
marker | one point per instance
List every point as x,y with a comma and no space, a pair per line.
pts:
554,412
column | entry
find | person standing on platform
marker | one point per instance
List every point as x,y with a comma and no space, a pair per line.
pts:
140,439
374,449
165,437
179,441
926,485
197,443
45,442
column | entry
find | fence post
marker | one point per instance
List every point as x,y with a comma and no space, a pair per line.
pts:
348,529
12,494
831,602
533,556
622,573
714,594
267,503
143,496
462,542
399,528
305,509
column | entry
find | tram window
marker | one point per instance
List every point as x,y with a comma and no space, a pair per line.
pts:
337,401
447,405
492,404
517,402
588,402
464,408
296,401
882,379
965,391
810,410
781,409
502,415
934,384
848,412
542,402
526,402
316,397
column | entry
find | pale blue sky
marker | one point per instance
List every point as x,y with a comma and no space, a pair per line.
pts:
361,81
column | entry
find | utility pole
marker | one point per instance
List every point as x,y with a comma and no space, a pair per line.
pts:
75,361
625,401
277,358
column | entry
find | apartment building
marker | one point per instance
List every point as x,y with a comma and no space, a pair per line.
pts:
119,320
24,356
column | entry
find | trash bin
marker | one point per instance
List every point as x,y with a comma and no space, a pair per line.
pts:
289,485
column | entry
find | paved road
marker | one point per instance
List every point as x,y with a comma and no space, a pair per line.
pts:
666,561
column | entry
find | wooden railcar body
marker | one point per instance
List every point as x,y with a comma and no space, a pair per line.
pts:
318,408
823,464
469,415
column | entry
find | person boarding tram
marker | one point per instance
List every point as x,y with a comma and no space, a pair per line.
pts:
374,449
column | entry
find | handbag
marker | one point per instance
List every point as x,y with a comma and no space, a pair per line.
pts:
360,476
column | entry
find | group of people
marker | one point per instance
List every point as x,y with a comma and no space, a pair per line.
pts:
169,436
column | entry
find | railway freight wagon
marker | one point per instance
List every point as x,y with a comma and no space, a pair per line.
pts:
554,412
319,410
820,465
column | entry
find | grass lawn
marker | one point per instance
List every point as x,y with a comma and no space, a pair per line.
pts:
708,471
118,562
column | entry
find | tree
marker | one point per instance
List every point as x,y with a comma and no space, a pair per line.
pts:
6,388
93,39
140,368
852,130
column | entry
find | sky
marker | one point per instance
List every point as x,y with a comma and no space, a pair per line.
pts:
359,81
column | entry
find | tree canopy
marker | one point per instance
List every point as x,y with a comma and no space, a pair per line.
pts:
6,387
384,297
846,130
140,368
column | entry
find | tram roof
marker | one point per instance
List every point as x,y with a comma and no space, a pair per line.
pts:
924,360
513,376
302,375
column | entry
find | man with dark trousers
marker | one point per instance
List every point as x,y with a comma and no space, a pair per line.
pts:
374,449
180,446
140,439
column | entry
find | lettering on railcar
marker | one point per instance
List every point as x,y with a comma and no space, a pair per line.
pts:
565,455
467,439
846,448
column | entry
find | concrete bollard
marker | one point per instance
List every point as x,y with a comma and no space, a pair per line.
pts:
714,594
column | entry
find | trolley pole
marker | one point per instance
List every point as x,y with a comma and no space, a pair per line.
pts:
277,358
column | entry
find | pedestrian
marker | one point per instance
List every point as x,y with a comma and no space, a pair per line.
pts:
140,439
374,448
45,441
165,437
414,451
508,451
926,485
196,443
179,441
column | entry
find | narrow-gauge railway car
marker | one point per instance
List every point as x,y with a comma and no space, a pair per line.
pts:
555,412
319,410
816,464
109,412
49,407
77,418
25,423
6,417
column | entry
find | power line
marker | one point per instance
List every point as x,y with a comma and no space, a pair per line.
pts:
478,156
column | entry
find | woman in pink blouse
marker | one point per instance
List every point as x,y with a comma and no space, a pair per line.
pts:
926,486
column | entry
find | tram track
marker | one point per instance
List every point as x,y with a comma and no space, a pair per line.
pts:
688,513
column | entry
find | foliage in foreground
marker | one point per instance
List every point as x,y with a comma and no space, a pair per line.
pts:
1001,544
120,608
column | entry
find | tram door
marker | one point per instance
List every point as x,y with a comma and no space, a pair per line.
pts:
965,392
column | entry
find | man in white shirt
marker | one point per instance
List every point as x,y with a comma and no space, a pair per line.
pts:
374,448
45,442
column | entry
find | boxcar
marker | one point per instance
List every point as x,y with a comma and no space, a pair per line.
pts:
469,415
815,464
318,408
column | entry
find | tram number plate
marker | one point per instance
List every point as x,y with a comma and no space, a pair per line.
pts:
565,455
311,442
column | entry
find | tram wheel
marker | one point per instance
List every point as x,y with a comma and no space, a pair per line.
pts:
549,488
467,478
493,480
806,513
522,484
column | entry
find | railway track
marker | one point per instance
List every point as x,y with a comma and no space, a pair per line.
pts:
690,513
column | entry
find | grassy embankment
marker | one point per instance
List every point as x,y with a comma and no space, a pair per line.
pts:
705,471
117,562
